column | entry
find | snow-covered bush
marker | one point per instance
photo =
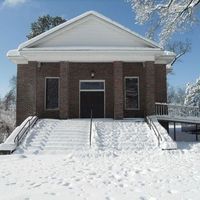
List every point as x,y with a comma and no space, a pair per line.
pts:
7,122
192,92
8,111
4,130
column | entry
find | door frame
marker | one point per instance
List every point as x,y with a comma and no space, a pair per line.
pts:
93,90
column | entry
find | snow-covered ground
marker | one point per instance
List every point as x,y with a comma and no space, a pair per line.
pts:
146,175
125,170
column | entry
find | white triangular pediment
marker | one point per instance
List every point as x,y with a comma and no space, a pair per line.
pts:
91,31
90,37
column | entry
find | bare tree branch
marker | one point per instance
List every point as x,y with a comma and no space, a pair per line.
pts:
180,48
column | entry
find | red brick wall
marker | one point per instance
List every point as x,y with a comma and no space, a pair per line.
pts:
45,70
31,83
135,69
161,83
64,90
82,71
118,90
26,91
150,88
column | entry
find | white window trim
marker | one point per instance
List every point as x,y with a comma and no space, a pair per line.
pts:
133,77
45,106
97,90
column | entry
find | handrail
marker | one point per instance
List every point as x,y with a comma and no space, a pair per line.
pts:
176,110
154,128
24,130
91,116
176,105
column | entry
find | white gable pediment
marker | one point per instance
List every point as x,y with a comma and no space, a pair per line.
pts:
90,37
91,31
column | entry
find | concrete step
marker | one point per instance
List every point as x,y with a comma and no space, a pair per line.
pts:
60,140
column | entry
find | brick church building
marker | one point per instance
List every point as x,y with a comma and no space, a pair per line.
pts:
89,63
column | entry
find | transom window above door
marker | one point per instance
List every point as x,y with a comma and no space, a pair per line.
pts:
92,85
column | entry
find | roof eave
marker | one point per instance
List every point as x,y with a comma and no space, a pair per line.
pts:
15,56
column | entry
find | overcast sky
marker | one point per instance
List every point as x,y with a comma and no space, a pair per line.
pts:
17,15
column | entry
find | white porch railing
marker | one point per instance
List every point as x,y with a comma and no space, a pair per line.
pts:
173,110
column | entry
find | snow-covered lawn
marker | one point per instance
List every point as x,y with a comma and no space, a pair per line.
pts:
124,163
138,175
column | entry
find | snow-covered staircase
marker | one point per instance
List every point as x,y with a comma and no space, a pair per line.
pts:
53,136
56,136
124,135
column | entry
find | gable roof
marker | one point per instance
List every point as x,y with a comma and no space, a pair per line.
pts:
75,20
90,37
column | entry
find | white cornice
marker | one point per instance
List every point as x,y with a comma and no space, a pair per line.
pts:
137,49
97,55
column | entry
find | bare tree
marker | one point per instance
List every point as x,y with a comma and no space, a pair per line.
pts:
165,16
10,98
180,48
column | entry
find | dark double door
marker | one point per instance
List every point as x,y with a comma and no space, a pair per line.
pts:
92,100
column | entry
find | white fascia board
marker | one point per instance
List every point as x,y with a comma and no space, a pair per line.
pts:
167,58
87,56
18,60
90,55
102,17
15,56
76,48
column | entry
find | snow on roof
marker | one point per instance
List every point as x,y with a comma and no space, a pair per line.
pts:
73,20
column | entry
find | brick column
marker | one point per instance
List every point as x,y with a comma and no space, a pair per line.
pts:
150,88
26,91
118,89
64,90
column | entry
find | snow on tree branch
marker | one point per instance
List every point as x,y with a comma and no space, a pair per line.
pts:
193,94
180,48
165,16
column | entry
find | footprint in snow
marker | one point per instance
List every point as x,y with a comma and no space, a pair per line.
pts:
8,184
92,173
152,198
142,198
109,198
22,156
38,185
66,184
50,193
172,191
